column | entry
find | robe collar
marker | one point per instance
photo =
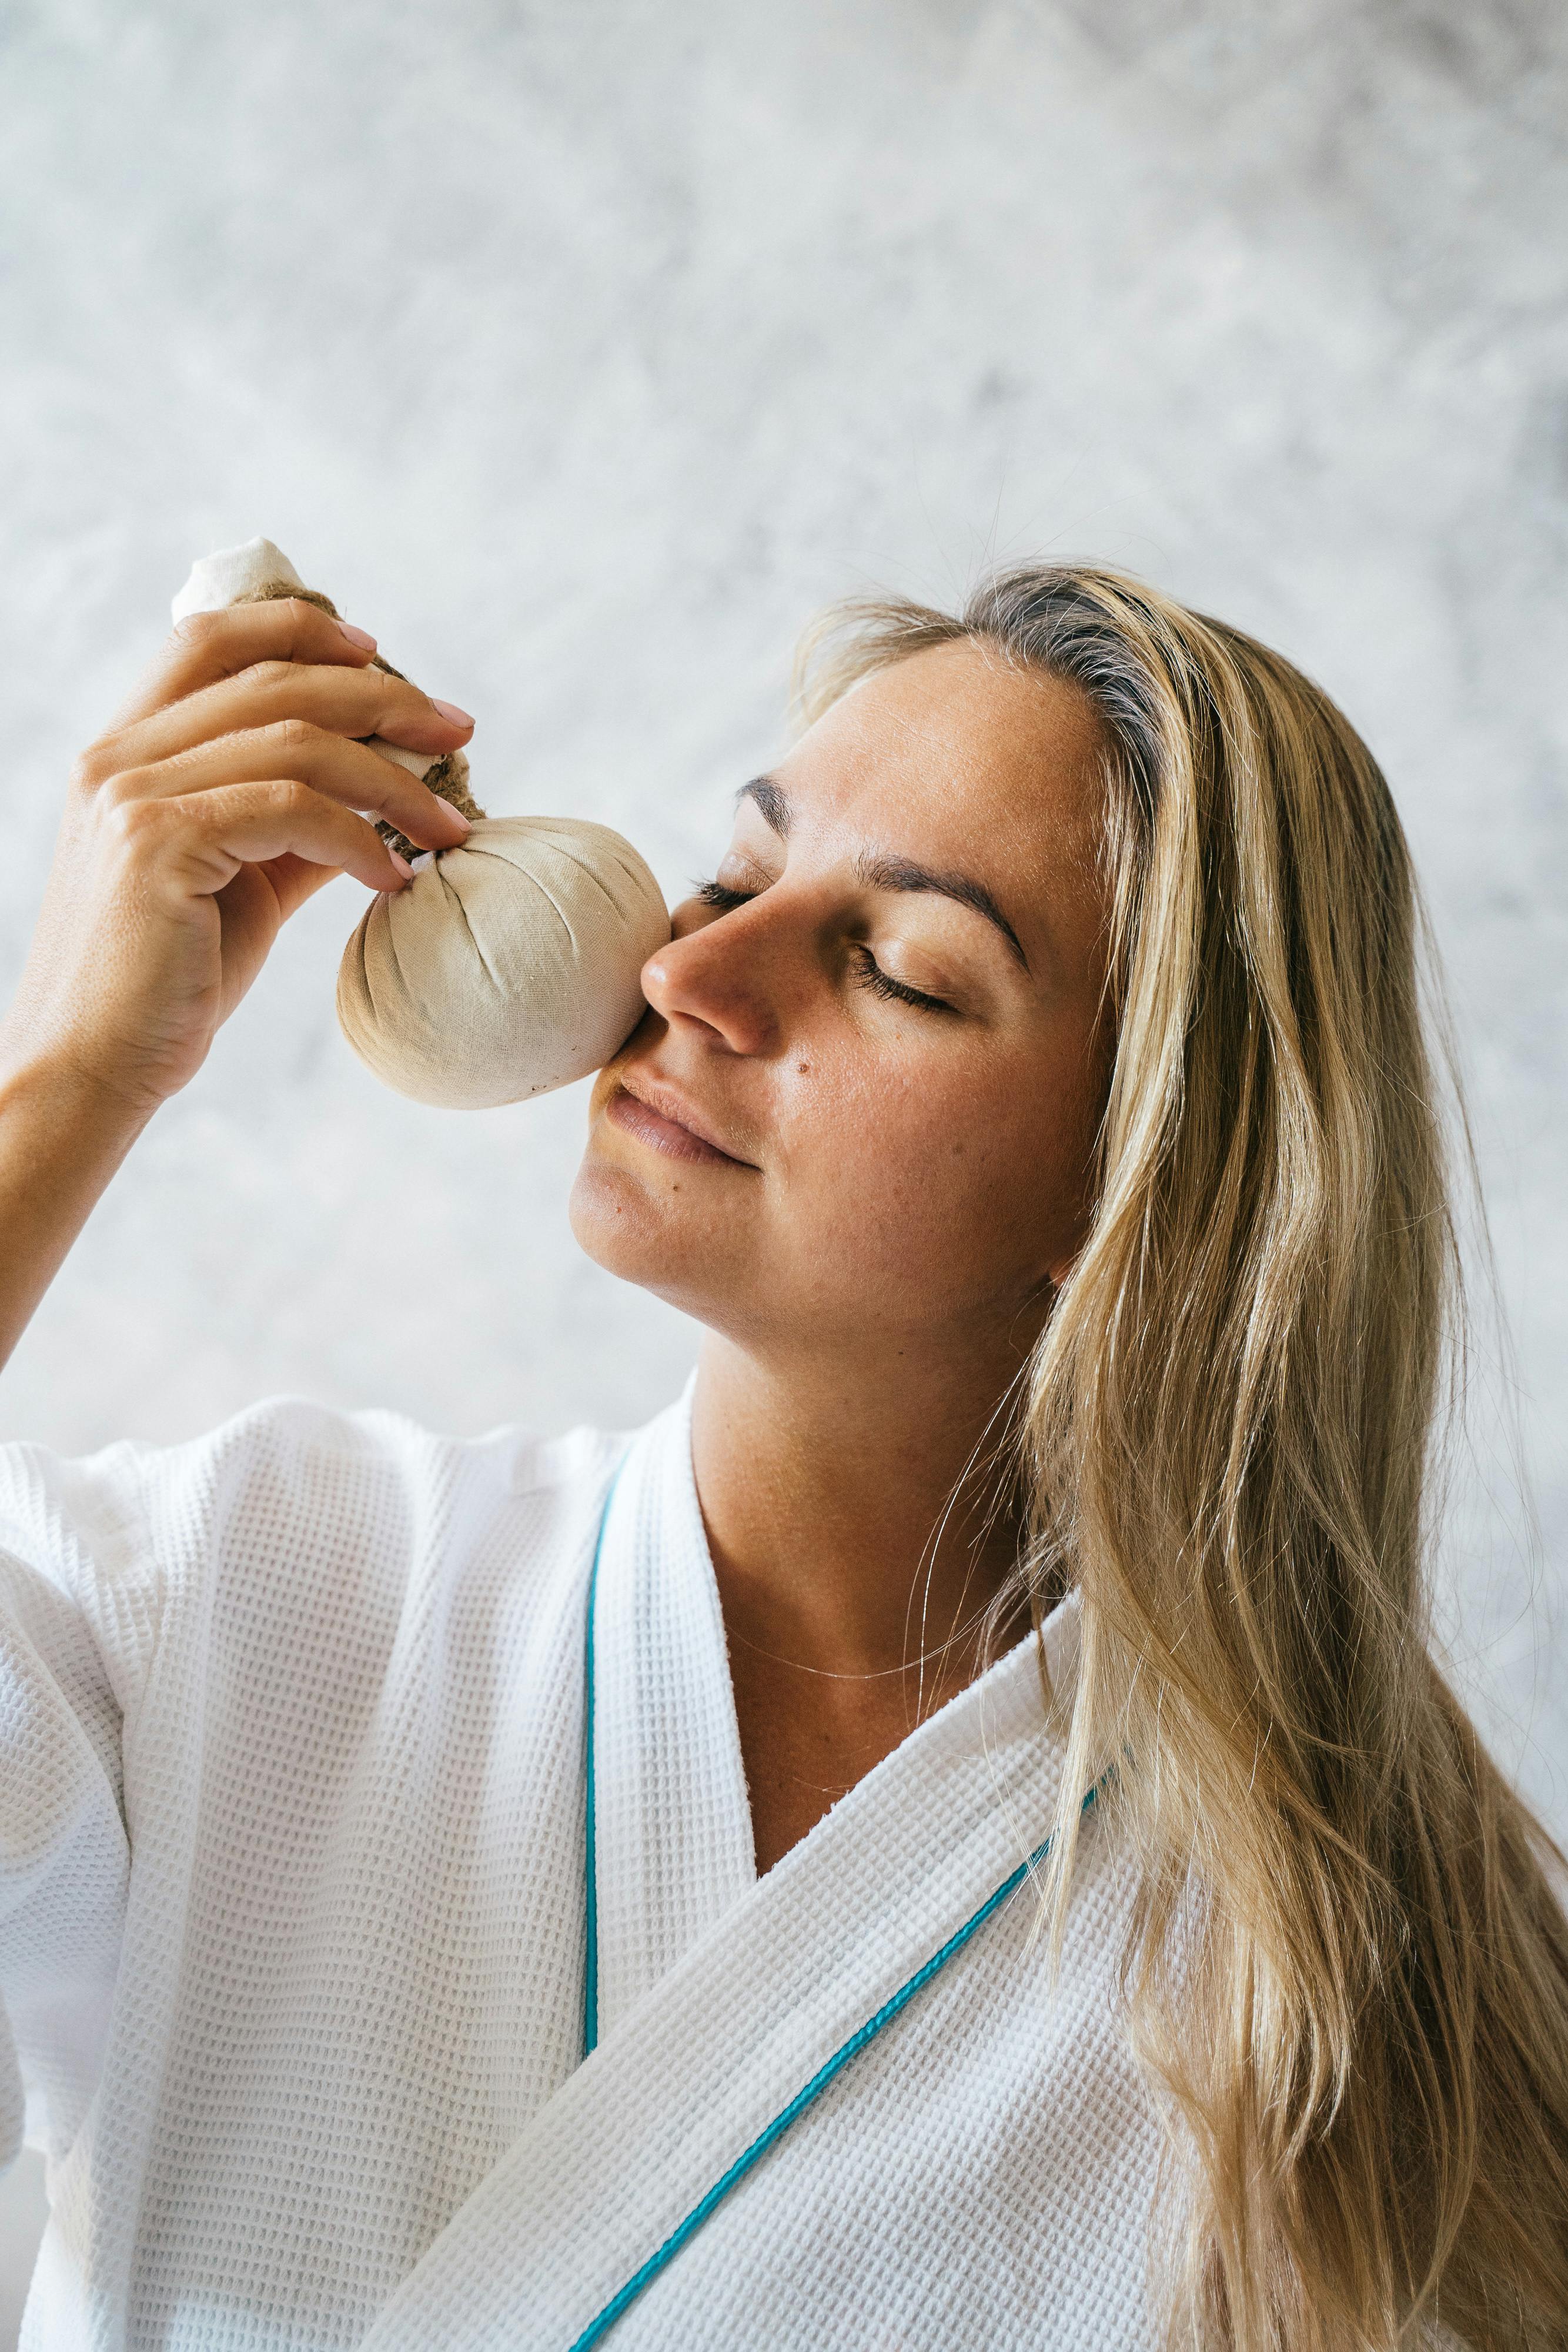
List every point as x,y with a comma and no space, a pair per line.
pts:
675,1841
721,1992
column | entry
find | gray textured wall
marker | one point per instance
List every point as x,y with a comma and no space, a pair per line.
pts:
580,351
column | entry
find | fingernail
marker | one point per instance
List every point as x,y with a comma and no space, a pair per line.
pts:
404,867
465,822
361,638
450,710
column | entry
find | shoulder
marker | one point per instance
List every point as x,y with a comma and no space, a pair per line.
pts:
287,1440
289,1446
291,1494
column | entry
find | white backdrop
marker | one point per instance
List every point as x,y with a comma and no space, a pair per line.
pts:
580,351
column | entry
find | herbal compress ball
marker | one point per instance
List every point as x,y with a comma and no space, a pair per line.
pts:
506,967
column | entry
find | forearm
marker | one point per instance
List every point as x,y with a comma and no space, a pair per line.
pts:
61,1140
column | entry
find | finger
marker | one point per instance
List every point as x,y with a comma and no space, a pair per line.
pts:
204,840
207,646
294,879
335,765
354,702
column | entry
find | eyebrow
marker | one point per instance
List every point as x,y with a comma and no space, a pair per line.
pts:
881,871
772,800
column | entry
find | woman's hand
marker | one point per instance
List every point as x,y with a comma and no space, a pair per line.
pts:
224,795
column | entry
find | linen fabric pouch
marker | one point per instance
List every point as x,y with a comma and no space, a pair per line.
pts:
508,966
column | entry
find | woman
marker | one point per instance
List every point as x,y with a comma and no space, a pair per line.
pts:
518,1894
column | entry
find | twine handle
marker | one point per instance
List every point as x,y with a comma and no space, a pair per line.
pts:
447,775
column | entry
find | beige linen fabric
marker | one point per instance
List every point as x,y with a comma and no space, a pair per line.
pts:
506,967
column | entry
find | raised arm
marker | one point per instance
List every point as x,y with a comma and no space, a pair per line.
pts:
223,796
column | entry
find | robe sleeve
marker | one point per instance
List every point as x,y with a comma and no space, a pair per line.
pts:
77,1624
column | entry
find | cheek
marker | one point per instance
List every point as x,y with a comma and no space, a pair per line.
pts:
956,1170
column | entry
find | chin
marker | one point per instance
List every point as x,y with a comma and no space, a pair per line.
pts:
658,1238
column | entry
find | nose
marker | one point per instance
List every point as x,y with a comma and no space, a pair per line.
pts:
716,977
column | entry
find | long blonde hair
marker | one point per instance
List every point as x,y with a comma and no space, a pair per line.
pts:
1348,1973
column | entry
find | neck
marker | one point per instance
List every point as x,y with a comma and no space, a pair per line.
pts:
853,1511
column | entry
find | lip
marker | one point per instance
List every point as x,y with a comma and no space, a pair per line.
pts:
661,1117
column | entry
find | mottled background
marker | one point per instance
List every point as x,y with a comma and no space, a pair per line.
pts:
580,351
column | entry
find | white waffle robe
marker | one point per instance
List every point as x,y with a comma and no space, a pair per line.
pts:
292,1934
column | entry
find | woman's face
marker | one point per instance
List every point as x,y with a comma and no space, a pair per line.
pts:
861,1109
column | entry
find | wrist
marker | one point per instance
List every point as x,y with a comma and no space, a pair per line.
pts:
62,1135
59,1104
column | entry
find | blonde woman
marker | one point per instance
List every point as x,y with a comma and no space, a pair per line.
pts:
953,1836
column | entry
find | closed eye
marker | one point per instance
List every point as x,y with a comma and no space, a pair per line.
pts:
869,973
714,894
